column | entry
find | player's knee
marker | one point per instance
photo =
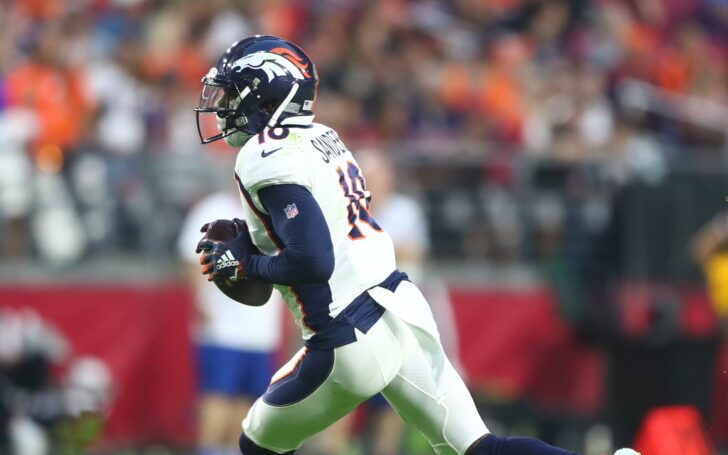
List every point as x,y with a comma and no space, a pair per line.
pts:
248,447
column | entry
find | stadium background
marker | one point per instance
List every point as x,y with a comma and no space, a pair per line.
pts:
566,153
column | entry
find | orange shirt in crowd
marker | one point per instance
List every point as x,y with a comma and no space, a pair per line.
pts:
501,101
56,97
455,87
41,9
672,71
280,19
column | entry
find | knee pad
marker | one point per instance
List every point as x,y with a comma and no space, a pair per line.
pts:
248,447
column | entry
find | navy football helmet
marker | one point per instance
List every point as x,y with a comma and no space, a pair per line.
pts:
259,82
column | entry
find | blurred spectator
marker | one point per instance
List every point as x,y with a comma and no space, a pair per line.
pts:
37,405
404,220
638,311
709,249
16,172
236,343
31,401
47,86
116,80
633,156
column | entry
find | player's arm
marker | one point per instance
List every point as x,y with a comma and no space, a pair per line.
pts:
308,255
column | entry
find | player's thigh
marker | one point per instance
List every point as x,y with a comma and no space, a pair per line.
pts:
315,389
429,394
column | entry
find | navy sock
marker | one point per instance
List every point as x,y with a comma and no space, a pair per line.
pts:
500,445
211,451
248,447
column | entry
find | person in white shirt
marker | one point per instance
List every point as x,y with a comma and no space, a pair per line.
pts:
236,343
404,219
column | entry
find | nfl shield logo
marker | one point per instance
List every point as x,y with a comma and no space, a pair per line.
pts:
291,211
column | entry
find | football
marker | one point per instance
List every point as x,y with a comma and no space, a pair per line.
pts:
249,291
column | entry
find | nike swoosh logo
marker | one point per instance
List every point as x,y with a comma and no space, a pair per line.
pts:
264,153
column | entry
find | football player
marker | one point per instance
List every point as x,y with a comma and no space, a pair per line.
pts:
367,328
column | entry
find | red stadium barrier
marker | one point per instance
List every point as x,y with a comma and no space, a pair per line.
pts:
142,334
512,344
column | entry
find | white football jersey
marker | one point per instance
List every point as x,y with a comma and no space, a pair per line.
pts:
315,158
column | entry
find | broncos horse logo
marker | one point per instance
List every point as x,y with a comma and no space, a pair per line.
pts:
276,62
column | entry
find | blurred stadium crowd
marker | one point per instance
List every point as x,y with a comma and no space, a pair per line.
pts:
98,137
583,139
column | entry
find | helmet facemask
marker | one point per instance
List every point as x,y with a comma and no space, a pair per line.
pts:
230,106
219,114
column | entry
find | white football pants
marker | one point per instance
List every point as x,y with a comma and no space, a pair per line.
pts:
400,356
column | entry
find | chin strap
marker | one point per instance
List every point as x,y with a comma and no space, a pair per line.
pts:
243,93
274,119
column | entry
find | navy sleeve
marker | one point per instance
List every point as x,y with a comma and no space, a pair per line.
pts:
307,255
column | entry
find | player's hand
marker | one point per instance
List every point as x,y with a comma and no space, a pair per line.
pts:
223,260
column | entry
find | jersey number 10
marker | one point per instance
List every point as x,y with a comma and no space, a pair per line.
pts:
352,182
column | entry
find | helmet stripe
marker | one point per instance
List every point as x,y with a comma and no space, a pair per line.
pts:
293,58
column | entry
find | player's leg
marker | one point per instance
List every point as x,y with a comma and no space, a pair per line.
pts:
219,386
384,429
317,388
431,395
333,440
213,413
239,407
255,369
428,394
